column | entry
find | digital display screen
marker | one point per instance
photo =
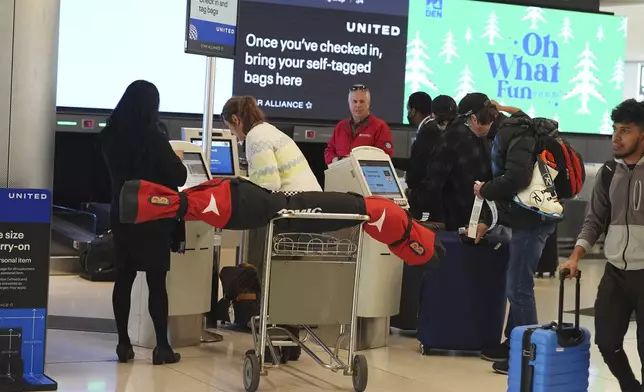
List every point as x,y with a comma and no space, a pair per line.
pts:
381,178
563,65
345,43
196,169
221,157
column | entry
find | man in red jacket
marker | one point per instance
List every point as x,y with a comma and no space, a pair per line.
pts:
362,129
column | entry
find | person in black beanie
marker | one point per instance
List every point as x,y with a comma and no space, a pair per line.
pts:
443,112
419,109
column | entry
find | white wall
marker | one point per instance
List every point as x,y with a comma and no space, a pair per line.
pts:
631,80
634,45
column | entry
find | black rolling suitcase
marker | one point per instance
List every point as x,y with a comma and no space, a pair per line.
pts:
462,302
407,318
549,258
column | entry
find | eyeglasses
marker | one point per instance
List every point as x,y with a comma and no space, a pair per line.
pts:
360,87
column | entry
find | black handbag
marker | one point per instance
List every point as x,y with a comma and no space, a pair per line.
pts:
97,261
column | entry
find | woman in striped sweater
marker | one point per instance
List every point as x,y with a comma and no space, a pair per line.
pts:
275,162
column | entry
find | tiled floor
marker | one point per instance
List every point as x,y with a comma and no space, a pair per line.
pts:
86,361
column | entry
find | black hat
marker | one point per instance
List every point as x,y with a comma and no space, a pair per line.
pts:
443,104
421,102
472,103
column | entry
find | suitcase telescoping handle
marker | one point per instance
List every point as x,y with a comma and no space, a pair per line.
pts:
563,275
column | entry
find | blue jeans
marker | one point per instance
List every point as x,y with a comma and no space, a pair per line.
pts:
526,246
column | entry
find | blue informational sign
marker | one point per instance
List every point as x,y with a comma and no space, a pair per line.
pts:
25,224
211,27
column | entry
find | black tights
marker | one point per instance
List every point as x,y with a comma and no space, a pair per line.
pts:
157,304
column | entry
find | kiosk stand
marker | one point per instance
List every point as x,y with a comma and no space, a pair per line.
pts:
368,171
224,162
189,281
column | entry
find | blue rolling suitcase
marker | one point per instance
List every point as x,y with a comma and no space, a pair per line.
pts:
553,357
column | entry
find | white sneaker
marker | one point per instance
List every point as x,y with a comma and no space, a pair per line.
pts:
537,197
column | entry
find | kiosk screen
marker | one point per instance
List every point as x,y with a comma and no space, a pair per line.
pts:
196,169
221,157
381,178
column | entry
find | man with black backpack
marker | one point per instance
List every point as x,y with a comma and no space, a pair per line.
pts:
616,209
515,150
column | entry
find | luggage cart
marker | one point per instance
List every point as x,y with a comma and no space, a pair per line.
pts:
309,279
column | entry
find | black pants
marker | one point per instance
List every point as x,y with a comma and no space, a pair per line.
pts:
620,294
157,304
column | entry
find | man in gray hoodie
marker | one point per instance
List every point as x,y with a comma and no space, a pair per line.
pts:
616,205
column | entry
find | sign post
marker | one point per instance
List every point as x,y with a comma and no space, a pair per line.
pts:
25,232
211,31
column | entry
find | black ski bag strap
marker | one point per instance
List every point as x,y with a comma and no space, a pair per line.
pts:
183,206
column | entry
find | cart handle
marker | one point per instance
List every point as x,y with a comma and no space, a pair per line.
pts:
321,216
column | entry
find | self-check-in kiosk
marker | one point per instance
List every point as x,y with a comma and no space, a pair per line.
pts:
368,171
224,153
189,281
224,162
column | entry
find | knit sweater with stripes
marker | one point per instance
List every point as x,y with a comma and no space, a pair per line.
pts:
276,163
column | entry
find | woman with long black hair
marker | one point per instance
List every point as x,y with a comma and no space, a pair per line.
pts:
135,148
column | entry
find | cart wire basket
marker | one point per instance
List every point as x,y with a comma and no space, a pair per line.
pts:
309,279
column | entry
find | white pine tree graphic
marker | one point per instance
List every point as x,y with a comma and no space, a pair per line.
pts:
465,84
606,127
618,74
585,81
623,26
532,112
534,15
566,31
600,34
492,29
449,48
416,70
468,35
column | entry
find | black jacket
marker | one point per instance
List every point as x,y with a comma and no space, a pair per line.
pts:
460,159
146,246
416,176
513,157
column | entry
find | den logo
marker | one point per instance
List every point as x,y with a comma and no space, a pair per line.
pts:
434,9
